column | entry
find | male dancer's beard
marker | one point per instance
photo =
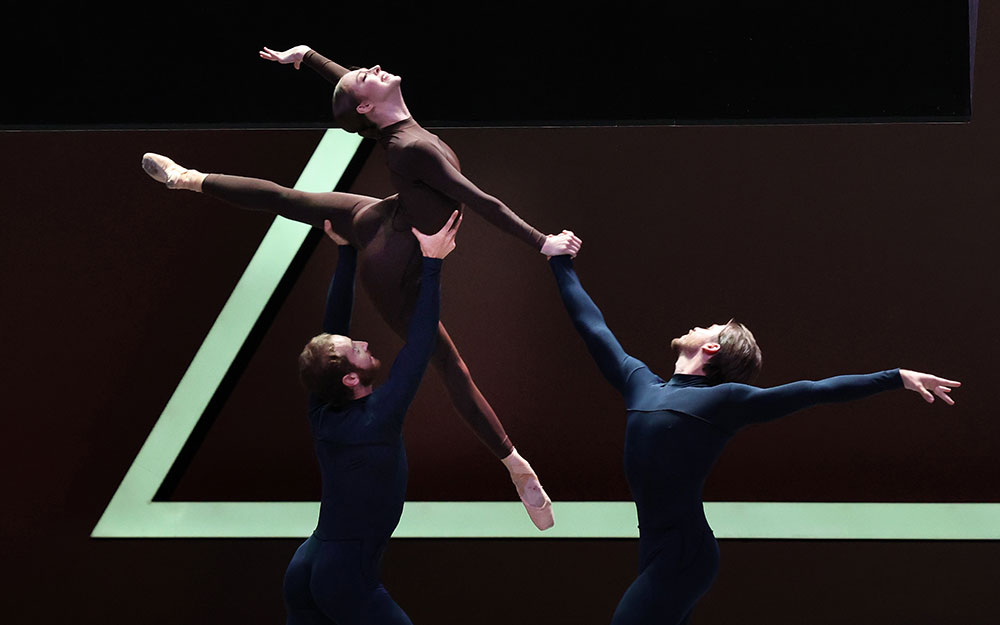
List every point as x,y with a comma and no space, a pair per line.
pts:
682,345
678,344
366,377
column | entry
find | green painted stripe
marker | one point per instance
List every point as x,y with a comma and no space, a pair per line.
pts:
574,519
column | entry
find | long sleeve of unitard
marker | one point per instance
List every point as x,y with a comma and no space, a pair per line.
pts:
330,71
340,296
624,372
421,162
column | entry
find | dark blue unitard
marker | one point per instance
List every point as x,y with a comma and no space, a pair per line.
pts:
334,576
675,432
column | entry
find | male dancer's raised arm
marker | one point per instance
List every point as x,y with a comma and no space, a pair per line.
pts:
620,369
340,296
394,397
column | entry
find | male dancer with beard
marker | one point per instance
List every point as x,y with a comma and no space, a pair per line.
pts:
357,430
676,429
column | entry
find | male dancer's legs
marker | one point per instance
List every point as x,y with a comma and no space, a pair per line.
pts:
336,582
676,567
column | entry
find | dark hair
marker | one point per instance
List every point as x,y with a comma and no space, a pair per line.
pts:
738,358
346,115
321,371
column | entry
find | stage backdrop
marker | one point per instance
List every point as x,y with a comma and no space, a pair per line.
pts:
845,248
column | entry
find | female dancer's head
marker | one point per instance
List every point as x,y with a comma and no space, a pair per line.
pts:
337,369
360,93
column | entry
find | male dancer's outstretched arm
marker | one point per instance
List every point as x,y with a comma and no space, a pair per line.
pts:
621,370
740,404
749,404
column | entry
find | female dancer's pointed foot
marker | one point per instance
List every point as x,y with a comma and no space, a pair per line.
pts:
162,169
529,489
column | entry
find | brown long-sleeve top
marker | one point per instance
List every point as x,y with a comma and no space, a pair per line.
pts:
427,176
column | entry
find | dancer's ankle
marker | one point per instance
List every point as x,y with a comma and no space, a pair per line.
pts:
515,463
190,179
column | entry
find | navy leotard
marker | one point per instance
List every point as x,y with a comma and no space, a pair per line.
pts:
675,431
334,577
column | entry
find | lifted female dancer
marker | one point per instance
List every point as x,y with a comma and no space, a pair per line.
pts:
676,429
425,173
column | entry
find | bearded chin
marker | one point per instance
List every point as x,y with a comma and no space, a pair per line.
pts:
366,377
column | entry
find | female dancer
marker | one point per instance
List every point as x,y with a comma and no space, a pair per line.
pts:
676,430
425,173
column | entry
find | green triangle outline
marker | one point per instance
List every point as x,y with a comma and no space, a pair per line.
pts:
132,513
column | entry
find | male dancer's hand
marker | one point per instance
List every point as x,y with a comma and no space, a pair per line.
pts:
328,227
291,55
561,244
924,383
440,244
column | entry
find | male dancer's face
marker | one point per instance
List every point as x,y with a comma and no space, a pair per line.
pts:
697,337
357,353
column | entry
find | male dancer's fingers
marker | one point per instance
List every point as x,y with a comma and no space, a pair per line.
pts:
328,227
451,220
942,392
927,395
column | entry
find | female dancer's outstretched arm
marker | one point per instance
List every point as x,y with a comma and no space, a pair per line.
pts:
323,66
424,160
421,161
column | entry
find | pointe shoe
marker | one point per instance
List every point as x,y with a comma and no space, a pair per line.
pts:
536,501
162,169
529,489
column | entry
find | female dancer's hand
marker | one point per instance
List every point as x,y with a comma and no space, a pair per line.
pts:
328,227
561,244
924,383
442,243
291,55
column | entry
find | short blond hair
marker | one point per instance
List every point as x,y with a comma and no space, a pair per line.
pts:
322,371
